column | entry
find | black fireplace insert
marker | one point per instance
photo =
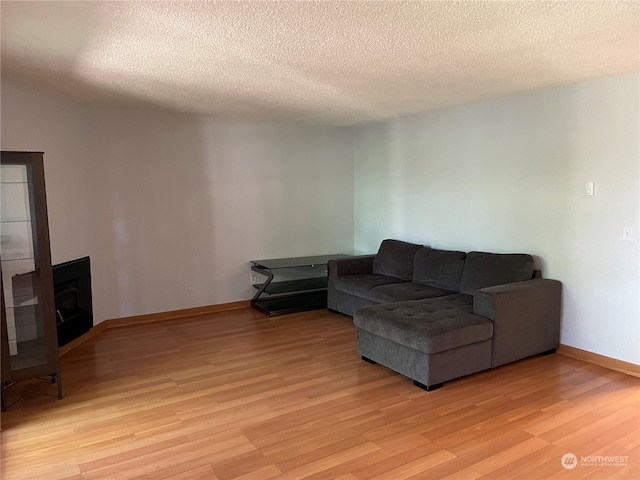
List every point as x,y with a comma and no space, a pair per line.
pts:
74,305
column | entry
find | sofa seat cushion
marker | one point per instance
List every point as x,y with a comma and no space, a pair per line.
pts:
398,292
426,326
395,259
361,285
483,269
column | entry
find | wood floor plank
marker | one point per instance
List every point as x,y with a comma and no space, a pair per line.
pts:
384,450
383,464
204,472
240,395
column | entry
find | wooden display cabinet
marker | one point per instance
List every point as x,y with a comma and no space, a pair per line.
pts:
29,339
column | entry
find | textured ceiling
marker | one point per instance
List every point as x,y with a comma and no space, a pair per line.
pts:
333,62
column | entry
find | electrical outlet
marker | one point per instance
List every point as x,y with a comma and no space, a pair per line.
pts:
590,189
187,286
627,234
253,278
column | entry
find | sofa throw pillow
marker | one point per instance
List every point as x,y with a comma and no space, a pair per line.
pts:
439,268
483,269
395,259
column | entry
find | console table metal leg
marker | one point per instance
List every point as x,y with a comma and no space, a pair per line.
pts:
269,276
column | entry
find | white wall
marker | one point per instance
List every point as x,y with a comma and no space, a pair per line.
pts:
194,199
160,199
33,121
508,175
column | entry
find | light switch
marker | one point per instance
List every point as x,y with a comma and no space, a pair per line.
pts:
627,234
589,189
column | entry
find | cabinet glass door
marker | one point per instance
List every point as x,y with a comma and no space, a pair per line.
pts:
28,334
20,270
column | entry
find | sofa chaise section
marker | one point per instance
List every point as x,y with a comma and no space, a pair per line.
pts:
430,341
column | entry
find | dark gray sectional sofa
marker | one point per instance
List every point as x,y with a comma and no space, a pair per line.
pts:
435,315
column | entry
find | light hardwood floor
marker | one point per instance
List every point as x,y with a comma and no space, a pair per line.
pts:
239,395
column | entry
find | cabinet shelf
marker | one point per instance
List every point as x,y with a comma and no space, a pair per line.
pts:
294,286
12,258
301,302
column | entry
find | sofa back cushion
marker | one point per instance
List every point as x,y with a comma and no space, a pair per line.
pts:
395,259
439,268
483,269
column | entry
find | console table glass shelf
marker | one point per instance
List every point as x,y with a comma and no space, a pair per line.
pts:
303,285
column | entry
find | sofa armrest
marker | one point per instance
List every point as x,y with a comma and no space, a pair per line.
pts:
525,315
339,267
359,265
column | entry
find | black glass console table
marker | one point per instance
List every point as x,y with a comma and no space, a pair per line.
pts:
301,284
